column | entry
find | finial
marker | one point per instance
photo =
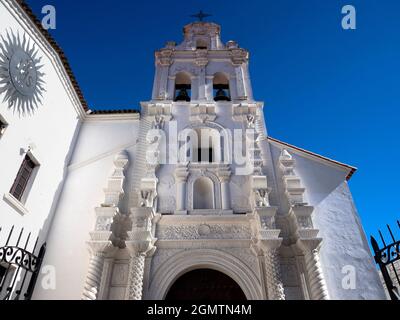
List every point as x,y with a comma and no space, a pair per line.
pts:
201,15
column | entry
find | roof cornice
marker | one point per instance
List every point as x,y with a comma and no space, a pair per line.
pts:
351,170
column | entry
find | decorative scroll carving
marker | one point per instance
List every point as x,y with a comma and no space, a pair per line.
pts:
251,119
305,222
164,57
261,198
159,122
147,198
214,231
239,56
103,223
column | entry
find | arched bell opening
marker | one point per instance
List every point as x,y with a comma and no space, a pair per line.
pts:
205,284
201,44
221,89
183,87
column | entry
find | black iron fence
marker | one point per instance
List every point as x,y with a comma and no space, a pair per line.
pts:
388,259
19,265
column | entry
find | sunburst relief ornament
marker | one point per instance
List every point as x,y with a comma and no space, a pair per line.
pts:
20,78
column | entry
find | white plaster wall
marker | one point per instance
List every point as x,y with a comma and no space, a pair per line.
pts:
344,241
91,165
51,129
345,244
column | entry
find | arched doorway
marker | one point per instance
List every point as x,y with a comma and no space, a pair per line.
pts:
205,284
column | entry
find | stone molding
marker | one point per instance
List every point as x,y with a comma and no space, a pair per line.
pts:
218,260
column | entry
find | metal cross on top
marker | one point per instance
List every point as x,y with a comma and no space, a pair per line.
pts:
201,15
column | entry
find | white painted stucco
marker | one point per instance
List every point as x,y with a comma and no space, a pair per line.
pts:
283,230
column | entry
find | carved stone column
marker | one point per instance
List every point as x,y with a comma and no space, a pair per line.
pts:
136,273
210,87
181,175
226,201
163,62
273,275
267,244
316,281
224,174
140,244
201,62
239,57
99,251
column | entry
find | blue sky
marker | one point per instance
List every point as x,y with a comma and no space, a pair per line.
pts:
331,91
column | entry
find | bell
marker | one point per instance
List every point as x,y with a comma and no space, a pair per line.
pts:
221,96
182,95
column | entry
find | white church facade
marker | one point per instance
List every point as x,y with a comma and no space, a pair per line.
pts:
188,198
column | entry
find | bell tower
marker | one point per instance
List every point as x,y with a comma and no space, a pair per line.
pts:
209,178
202,68
202,85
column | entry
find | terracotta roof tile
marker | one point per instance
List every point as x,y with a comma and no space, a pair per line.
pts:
121,111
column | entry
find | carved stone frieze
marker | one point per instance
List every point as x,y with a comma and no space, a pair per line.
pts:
203,231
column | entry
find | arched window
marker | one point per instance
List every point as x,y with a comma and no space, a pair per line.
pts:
183,87
208,146
221,87
203,194
201,44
